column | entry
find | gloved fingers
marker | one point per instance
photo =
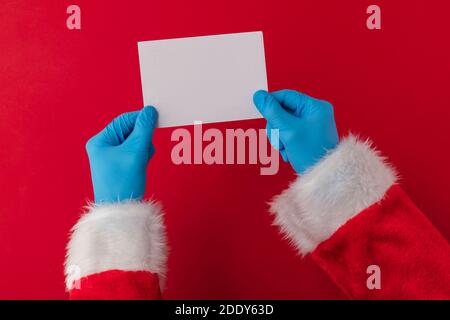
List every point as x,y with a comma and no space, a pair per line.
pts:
152,150
292,100
121,127
284,155
277,146
271,109
301,104
117,130
324,108
145,126
269,136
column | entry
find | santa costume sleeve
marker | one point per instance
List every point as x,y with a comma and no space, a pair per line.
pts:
117,251
359,226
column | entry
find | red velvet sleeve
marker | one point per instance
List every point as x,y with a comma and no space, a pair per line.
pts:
117,285
349,213
394,235
117,251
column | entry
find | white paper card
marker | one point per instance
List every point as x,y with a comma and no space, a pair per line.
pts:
208,79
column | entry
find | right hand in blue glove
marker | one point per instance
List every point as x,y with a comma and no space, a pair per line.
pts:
307,129
119,155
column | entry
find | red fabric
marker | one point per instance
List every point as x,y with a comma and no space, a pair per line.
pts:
118,285
393,234
59,87
413,257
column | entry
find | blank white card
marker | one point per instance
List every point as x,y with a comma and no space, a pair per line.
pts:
208,79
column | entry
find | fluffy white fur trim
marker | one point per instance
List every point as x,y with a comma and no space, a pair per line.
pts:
127,236
346,181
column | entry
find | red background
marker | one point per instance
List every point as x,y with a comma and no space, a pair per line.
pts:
59,87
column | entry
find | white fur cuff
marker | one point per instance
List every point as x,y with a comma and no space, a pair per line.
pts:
348,180
128,236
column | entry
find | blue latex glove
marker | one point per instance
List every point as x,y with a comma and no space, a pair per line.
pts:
119,155
306,125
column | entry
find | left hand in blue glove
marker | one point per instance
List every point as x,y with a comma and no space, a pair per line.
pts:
306,125
119,156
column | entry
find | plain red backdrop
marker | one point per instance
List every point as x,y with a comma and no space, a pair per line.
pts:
58,87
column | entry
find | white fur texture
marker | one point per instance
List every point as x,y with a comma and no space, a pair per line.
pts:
127,236
346,181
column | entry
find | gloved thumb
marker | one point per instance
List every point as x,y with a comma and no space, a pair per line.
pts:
145,126
270,108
